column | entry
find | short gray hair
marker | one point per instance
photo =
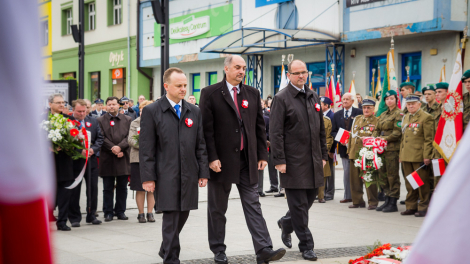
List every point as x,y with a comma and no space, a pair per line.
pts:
228,60
52,96
351,96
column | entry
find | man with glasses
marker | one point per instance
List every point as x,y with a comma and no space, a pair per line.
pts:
126,110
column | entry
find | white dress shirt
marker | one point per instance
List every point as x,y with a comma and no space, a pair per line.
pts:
326,112
230,89
173,104
298,89
349,112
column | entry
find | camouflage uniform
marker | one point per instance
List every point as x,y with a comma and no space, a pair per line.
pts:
362,127
466,110
389,128
329,143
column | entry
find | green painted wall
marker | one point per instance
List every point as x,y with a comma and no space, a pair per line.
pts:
97,59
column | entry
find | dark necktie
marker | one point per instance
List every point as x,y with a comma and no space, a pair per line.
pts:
347,114
235,100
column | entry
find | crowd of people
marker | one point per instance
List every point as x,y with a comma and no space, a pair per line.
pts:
229,138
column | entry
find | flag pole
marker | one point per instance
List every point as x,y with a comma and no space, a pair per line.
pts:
373,80
464,40
407,68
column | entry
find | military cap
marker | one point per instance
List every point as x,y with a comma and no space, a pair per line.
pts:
378,94
442,85
413,98
428,88
368,102
390,93
466,75
99,101
326,100
406,84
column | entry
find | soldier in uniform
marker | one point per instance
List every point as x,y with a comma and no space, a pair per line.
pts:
326,168
389,129
406,89
363,126
466,99
416,149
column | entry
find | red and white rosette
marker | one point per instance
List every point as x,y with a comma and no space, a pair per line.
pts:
79,178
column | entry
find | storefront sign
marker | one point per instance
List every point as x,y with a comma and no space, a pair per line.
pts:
117,73
350,3
116,58
190,27
269,2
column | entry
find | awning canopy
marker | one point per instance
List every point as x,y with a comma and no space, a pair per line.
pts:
257,40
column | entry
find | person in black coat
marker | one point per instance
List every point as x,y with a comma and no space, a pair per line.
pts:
99,108
300,153
173,159
63,169
330,181
126,109
96,140
235,135
344,119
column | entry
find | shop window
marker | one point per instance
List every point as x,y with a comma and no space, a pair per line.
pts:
377,62
413,60
67,21
69,75
95,85
90,16
118,77
212,77
45,33
318,76
196,86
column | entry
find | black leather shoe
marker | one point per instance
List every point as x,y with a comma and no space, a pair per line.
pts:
262,194
108,218
272,191
328,198
221,258
91,219
402,202
285,237
391,206
309,255
387,201
150,217
279,195
96,222
122,217
141,218
76,224
64,228
267,254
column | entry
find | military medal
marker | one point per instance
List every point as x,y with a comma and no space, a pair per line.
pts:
111,123
245,104
88,124
188,122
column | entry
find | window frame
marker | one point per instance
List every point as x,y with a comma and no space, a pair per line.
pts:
99,85
382,74
91,16
68,19
45,32
404,76
117,12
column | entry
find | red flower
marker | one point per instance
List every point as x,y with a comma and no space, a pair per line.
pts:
74,132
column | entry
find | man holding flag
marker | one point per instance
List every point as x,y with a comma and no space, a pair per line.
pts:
416,149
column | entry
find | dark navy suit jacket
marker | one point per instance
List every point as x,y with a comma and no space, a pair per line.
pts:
338,122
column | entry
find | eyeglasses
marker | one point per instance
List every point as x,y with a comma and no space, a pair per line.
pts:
63,103
299,73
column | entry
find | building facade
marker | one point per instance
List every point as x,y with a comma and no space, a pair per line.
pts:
45,23
110,48
427,35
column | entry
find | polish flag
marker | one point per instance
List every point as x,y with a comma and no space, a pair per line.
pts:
26,175
414,180
338,102
342,136
438,166
330,91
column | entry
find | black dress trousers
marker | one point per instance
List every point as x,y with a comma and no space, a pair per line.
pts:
218,194
108,194
172,225
296,219
63,201
273,178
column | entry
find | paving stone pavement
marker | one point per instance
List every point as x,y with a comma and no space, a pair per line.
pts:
338,232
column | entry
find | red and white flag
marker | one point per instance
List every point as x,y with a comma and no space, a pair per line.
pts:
450,128
330,91
414,180
342,136
438,166
338,102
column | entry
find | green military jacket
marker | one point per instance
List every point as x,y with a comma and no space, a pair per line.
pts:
435,111
466,110
329,143
389,128
417,137
362,127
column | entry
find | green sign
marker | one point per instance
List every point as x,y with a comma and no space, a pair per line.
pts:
204,24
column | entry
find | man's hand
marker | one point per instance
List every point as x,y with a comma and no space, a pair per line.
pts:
331,155
215,166
202,182
149,186
120,155
281,168
427,162
90,152
324,163
84,152
262,164
116,149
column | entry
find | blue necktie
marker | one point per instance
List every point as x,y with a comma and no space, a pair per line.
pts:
347,114
178,112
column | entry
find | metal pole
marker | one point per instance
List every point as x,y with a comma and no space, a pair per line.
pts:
165,42
240,14
81,50
129,49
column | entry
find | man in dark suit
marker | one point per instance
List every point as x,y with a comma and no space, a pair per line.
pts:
173,158
344,119
126,109
235,135
63,168
99,108
96,140
300,153
330,181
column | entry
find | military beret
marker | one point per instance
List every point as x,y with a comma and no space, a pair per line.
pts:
413,98
406,84
326,100
378,94
466,75
390,93
368,102
99,101
428,88
442,85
